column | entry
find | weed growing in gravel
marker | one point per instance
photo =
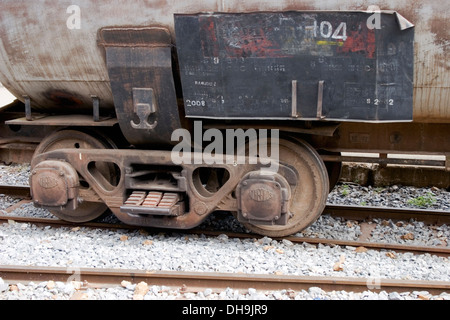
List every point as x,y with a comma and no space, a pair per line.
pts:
423,201
345,190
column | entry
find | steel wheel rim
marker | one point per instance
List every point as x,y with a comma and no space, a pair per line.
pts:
310,194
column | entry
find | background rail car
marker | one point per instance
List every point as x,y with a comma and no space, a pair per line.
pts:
103,87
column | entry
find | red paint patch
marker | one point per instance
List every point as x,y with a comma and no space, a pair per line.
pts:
210,45
254,43
362,41
239,40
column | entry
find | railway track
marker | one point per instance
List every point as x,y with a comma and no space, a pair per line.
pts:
198,281
352,212
436,250
367,212
195,282
349,212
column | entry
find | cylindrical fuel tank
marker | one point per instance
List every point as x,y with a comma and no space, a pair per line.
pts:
49,49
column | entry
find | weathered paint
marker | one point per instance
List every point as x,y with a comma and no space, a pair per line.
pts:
303,65
61,67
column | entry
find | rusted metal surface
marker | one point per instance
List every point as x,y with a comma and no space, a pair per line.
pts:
154,203
362,213
72,120
303,176
386,138
200,203
54,184
15,191
103,65
17,152
139,62
46,184
302,179
264,198
376,176
17,143
60,67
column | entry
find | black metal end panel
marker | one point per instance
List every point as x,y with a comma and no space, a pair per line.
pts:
296,65
139,62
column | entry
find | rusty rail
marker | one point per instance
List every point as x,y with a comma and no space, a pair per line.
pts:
350,212
196,281
17,191
369,212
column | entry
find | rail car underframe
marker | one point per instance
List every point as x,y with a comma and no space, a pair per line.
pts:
19,136
415,138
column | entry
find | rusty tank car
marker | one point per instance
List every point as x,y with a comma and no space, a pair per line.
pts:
111,90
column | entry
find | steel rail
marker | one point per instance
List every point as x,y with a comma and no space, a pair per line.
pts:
14,190
196,281
351,212
370,212
436,250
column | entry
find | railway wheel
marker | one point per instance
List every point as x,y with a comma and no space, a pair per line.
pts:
308,185
67,139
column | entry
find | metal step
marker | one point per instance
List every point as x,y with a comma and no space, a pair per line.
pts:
154,203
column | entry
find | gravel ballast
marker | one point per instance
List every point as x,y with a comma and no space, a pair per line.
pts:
79,247
83,247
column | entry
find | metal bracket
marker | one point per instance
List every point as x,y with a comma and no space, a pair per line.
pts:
96,108
28,108
447,162
144,107
294,113
320,100
139,62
